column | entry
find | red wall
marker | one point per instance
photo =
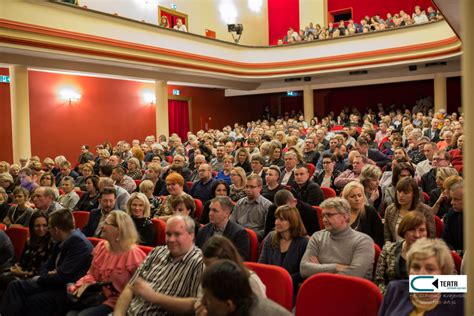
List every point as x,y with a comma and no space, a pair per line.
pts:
281,15
372,7
5,120
108,110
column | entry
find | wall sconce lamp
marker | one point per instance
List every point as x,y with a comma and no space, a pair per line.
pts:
149,98
69,95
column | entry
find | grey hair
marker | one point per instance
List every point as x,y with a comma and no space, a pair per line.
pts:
224,201
188,222
339,204
369,172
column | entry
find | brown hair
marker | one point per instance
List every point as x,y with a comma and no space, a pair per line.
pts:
408,185
175,178
411,221
292,215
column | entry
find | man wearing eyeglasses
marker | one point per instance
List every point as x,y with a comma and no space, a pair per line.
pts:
441,158
250,211
338,249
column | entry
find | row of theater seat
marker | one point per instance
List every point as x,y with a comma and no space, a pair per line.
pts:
361,297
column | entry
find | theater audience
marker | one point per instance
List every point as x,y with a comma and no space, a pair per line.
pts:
27,179
107,201
70,259
138,207
243,159
338,249
7,254
185,205
275,155
90,198
146,187
286,245
250,211
20,213
363,217
438,197
358,162
65,169
153,173
201,189
114,261
407,200
272,185
180,26
425,257
44,200
325,177
391,264
215,249
219,188
220,210
134,169
306,190
37,250
86,171
69,198
401,170
174,185
228,165
239,181
453,221
257,162
122,180
8,184
172,270
4,206
227,290
369,178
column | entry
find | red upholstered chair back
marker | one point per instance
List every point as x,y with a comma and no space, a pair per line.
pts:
277,281
253,245
439,227
3,227
81,218
199,209
146,249
319,214
169,159
189,184
426,197
457,261
328,192
376,256
94,240
331,294
18,236
311,169
160,231
80,193
137,182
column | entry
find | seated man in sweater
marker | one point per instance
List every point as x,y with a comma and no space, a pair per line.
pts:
338,248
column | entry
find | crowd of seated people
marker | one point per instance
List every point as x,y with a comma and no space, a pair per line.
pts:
299,190
368,24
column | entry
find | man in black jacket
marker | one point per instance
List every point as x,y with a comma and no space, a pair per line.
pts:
107,199
307,212
306,190
46,294
220,224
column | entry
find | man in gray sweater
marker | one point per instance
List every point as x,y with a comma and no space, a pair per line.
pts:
338,248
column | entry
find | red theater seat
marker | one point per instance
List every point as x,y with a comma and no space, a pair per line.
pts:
160,231
18,236
277,281
94,240
81,218
199,209
328,192
319,214
439,227
331,294
146,249
253,245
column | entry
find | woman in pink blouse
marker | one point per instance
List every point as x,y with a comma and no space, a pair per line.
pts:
115,260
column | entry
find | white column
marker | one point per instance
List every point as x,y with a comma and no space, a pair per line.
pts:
162,124
20,108
467,62
308,101
440,94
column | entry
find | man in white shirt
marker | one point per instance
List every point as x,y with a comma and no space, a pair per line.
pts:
180,26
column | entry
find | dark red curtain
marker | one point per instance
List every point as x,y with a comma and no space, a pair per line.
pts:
281,15
178,117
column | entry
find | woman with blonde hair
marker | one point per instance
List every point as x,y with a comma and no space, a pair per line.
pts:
369,178
242,158
114,261
364,217
425,257
274,157
439,200
134,169
138,207
285,246
239,180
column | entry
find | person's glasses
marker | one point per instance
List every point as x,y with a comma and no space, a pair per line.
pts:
329,215
248,186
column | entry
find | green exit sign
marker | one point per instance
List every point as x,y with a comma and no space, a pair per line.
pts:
176,92
5,79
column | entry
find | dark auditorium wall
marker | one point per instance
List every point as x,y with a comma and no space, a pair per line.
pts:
372,7
281,15
5,120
